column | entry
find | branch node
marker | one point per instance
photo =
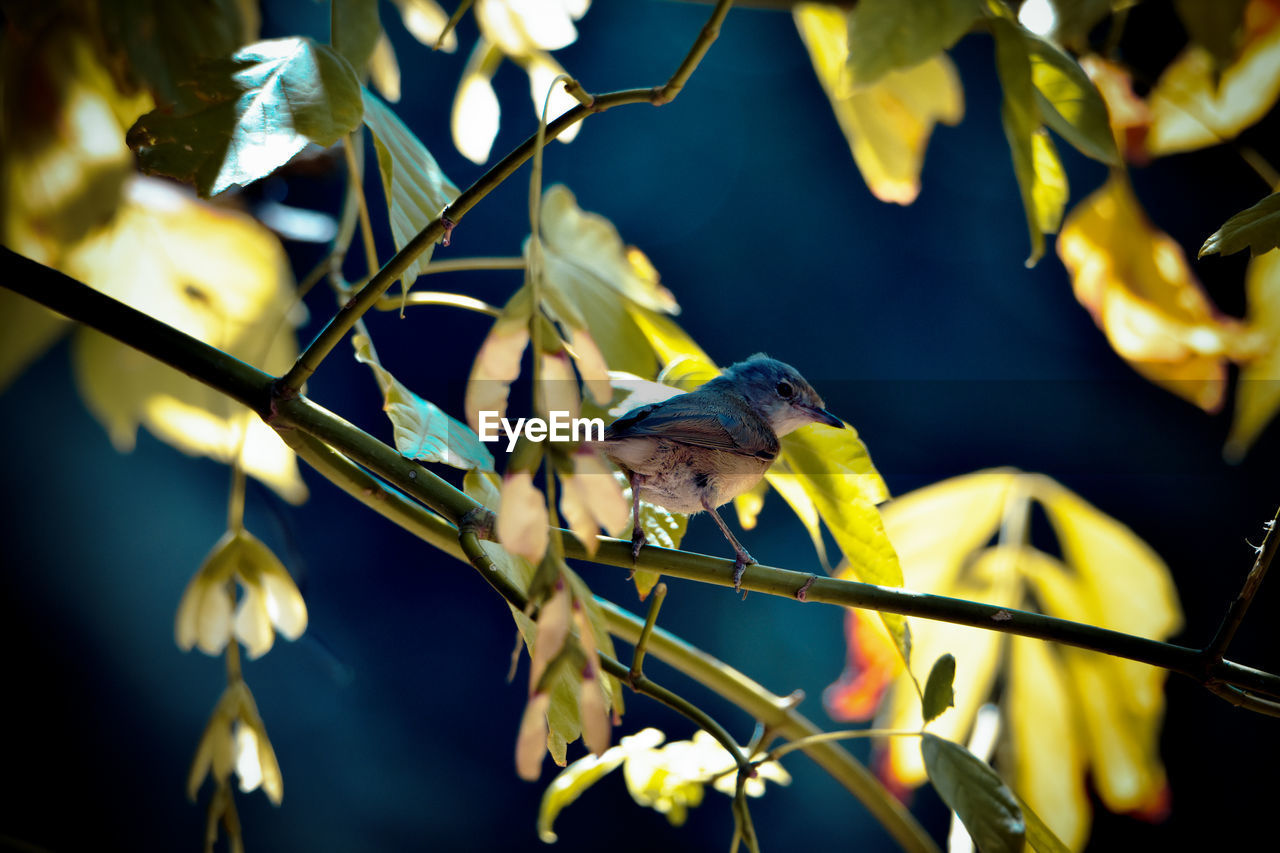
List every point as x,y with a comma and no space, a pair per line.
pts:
479,521
449,225
803,592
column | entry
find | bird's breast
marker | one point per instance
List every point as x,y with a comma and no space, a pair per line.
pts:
679,477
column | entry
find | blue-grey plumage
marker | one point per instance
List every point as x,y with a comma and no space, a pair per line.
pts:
700,450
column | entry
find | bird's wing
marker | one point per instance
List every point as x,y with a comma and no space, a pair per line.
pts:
687,419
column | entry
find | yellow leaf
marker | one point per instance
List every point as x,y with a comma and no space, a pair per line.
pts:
521,27
748,505
522,521
27,329
887,123
1137,284
214,274
1129,115
531,742
1128,580
571,782
591,499
475,116
1192,108
1258,388
425,20
991,577
1045,737
542,71
485,487
384,71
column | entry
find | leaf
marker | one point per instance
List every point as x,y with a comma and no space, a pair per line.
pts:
1041,178
354,31
884,35
939,694
476,112
384,71
215,274
833,469
975,793
417,191
164,42
29,329
1048,762
425,20
570,784
1039,836
1129,115
486,488
1217,27
888,123
1137,284
422,431
1193,108
1257,227
1258,388
1069,102
244,117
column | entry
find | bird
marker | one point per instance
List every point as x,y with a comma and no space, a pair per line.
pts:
697,451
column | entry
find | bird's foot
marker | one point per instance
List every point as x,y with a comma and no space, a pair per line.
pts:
638,541
740,564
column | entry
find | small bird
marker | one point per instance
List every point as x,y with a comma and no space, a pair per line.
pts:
697,451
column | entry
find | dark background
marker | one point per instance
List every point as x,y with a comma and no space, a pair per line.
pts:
391,716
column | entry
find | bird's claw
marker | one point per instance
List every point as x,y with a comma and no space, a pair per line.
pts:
638,541
740,563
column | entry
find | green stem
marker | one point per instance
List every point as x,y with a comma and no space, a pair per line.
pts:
359,304
658,595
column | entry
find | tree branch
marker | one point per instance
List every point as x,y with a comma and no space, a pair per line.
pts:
251,387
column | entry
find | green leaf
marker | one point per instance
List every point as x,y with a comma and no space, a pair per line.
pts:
939,692
29,330
1258,227
1069,102
569,785
970,788
416,189
1216,26
165,41
889,34
354,30
244,117
1041,178
422,430
1040,837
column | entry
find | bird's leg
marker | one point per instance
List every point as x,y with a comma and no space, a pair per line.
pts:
637,531
742,558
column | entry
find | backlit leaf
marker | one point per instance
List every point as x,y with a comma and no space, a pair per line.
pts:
27,329
1041,178
384,70
422,430
215,274
1129,115
244,117
1040,837
1258,387
1049,761
939,691
887,123
355,30
476,112
425,20
884,35
1068,101
486,488
1257,227
417,191
1192,108
973,791
571,782
1137,284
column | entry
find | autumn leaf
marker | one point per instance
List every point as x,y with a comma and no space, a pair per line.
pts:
886,122
246,116
1105,575
216,275
1137,284
888,35
1192,106
1129,115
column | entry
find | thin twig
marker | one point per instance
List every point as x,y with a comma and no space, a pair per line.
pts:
659,594
358,305
437,297
1253,581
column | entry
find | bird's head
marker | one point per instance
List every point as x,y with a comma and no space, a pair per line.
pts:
778,393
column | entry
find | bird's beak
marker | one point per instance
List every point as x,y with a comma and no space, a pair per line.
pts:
822,416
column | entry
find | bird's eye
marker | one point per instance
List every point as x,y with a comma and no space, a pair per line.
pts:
785,390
